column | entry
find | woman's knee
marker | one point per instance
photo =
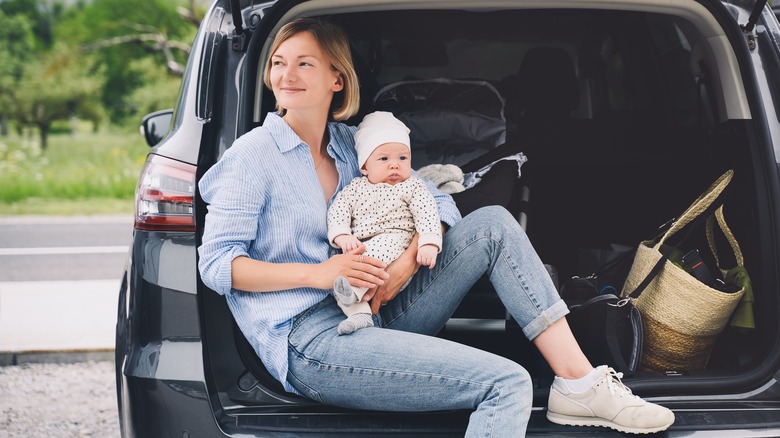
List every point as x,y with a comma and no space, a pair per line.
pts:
516,387
521,378
495,219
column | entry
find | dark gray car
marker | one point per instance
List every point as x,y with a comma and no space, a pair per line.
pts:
626,111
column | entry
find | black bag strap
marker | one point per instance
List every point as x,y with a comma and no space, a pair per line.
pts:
612,340
651,275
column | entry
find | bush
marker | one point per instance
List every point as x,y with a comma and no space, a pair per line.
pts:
85,165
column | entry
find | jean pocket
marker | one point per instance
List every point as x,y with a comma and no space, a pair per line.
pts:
296,335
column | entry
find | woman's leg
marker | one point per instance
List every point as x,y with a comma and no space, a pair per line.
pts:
490,240
393,370
562,352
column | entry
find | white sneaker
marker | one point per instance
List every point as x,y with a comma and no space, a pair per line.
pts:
609,403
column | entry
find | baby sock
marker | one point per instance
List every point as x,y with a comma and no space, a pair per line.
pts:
343,292
354,322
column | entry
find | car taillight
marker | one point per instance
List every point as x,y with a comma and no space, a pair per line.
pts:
164,196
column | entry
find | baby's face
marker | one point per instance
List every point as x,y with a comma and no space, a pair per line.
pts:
390,163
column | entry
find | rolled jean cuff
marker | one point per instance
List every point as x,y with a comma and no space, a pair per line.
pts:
546,318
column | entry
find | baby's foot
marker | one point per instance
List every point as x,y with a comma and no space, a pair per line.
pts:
355,322
343,292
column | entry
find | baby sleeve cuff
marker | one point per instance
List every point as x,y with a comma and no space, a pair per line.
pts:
336,232
430,239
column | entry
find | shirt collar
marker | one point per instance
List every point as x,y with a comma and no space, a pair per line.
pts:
287,139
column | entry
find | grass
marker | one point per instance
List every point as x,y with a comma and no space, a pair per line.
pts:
67,207
83,173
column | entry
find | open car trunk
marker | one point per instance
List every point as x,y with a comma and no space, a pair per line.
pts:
625,112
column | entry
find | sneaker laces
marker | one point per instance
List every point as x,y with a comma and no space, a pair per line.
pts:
615,384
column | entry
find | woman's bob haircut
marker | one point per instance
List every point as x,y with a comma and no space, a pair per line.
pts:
335,45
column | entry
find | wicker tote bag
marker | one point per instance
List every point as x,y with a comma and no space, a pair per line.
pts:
682,316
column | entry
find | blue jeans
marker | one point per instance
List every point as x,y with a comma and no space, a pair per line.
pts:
399,366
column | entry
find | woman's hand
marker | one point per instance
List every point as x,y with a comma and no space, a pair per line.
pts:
400,270
360,271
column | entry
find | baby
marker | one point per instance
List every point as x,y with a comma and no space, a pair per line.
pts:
383,209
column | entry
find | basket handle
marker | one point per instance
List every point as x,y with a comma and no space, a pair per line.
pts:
699,206
710,231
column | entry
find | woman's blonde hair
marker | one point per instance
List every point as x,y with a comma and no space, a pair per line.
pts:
335,46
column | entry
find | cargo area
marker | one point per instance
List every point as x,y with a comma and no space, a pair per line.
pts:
624,116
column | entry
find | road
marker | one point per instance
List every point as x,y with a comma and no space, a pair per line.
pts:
63,248
59,282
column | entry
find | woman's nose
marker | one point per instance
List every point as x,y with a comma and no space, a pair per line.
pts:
290,74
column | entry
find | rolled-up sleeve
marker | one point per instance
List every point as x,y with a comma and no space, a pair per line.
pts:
234,203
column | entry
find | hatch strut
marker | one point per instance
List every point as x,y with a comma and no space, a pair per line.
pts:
747,29
239,37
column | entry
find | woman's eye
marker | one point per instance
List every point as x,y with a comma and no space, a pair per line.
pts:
276,63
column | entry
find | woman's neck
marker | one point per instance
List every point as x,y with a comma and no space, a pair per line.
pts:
312,130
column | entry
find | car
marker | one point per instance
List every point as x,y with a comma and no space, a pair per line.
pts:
625,109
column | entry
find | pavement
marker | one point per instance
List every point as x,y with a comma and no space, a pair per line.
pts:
57,321
61,321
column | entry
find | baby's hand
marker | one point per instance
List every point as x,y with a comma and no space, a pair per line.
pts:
426,255
347,242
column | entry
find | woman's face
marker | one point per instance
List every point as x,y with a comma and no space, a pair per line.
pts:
390,163
301,76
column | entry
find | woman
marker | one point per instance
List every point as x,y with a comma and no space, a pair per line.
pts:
265,248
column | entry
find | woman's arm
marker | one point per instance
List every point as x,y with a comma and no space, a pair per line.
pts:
236,195
257,276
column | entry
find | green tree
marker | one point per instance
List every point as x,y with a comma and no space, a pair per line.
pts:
16,43
159,90
118,31
40,13
61,86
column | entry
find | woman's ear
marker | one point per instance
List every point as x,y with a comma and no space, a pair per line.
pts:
339,85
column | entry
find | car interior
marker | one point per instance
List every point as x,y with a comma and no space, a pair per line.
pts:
624,116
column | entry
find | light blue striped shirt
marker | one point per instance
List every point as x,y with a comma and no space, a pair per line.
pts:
265,202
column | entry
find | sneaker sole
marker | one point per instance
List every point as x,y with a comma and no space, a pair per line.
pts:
567,420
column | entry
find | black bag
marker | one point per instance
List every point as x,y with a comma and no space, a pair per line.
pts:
607,328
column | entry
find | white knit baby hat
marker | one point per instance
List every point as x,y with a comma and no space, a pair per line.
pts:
376,129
